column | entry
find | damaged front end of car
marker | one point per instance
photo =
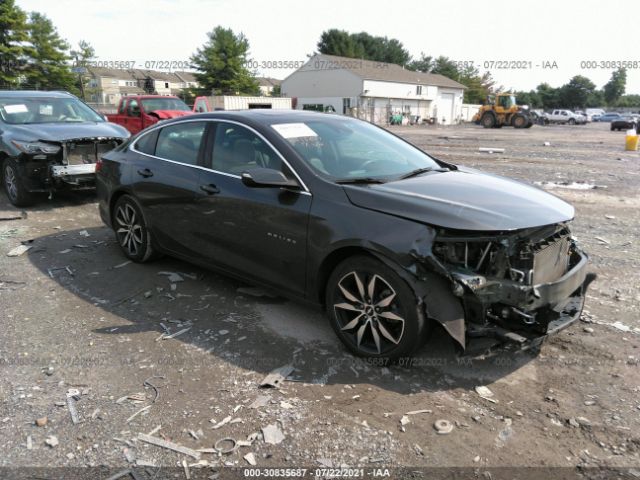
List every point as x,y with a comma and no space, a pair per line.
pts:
50,165
514,287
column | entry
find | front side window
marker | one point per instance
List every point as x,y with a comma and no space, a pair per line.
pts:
343,149
181,142
237,149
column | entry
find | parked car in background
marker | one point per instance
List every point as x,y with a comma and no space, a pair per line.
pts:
608,117
341,213
584,114
594,112
48,141
566,116
626,122
137,112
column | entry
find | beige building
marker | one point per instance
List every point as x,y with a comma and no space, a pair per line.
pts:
109,85
267,84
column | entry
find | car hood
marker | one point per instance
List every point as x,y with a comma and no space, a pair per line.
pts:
165,114
58,132
463,199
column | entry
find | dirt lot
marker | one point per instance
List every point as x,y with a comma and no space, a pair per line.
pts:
97,328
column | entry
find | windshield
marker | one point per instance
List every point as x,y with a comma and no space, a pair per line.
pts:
28,110
344,149
152,104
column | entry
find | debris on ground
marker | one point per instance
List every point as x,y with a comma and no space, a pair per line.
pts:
260,401
225,446
272,434
250,458
19,250
570,185
143,409
52,441
416,412
223,422
490,150
41,422
276,377
123,264
485,393
443,427
172,276
73,411
159,442
404,420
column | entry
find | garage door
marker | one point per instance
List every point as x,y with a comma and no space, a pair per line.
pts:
445,108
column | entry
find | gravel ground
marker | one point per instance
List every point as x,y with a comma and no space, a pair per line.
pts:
95,331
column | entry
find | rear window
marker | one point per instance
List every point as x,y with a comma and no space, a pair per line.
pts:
180,142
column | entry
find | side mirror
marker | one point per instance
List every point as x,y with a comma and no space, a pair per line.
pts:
267,178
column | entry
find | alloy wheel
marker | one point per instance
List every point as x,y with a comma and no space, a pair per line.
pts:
11,182
369,312
129,229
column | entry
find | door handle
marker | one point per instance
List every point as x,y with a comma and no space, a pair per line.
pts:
146,173
210,189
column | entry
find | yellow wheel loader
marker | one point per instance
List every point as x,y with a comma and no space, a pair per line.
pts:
501,110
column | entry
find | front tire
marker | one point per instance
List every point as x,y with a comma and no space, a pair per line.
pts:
572,121
132,234
372,310
17,193
488,120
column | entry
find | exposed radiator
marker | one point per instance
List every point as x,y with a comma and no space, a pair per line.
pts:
551,259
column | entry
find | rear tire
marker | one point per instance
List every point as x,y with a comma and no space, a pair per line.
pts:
130,227
372,310
14,187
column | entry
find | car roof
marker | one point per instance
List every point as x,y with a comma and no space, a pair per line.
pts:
260,115
35,93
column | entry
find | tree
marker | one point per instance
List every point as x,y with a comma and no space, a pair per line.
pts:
478,86
423,64
13,33
444,66
548,95
81,58
48,67
363,45
615,87
221,63
340,43
576,93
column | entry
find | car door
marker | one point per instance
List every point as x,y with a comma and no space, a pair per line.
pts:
166,175
260,233
133,117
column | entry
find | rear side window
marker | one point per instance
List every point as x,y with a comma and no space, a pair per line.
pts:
147,143
181,142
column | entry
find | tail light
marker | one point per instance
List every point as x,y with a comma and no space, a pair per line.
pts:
99,165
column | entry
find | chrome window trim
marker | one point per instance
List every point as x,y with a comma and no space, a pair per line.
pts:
306,190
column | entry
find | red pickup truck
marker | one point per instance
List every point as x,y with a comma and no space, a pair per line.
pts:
137,112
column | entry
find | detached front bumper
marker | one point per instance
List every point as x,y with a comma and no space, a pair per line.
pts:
524,314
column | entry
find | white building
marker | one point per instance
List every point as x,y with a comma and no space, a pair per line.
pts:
374,91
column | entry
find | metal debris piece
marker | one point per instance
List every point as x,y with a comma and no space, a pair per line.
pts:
29,442
250,458
485,393
137,397
124,264
73,411
129,455
443,427
416,412
52,441
193,434
159,442
155,430
222,423
272,434
143,409
146,383
404,420
186,469
602,240
255,292
276,377
173,277
19,250
84,233
490,150
224,451
122,473
179,332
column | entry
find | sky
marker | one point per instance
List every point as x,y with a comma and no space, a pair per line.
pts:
556,34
